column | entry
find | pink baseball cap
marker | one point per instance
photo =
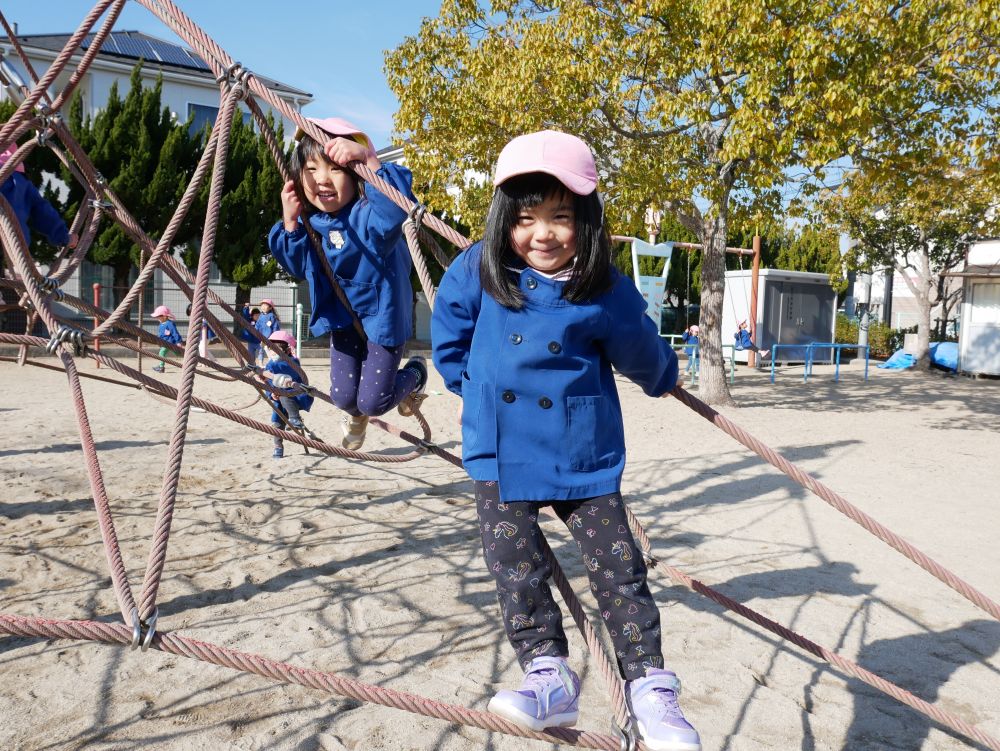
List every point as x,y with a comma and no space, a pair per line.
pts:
565,157
338,126
267,301
7,153
282,336
162,310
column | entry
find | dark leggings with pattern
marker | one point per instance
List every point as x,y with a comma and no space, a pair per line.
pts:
364,378
532,619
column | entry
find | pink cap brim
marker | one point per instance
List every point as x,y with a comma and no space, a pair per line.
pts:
338,126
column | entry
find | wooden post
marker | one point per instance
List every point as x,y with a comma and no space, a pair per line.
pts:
97,321
754,278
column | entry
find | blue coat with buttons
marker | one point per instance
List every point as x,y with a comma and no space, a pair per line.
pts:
168,332
540,408
365,246
275,367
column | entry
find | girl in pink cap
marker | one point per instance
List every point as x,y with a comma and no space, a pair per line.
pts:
528,328
362,236
167,332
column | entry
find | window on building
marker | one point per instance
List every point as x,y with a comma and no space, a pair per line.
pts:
986,303
205,114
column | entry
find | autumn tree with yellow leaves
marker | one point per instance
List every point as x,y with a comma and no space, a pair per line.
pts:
697,106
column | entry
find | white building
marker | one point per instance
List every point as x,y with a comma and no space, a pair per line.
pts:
979,332
189,89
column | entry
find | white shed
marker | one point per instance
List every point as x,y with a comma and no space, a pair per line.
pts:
979,330
793,307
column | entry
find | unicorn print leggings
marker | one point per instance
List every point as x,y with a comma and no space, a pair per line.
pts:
515,556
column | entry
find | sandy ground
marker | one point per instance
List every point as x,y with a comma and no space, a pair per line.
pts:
374,571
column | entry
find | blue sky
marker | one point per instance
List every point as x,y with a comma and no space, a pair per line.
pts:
334,50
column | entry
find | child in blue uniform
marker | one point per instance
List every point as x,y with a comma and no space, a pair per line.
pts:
253,346
282,375
31,208
362,238
266,324
527,327
167,332
743,341
690,337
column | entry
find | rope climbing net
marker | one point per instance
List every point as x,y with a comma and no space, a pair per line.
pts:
38,114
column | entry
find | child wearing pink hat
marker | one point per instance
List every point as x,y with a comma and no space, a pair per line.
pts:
362,236
167,332
528,328
31,208
286,408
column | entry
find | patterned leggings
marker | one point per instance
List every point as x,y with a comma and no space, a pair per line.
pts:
364,379
531,618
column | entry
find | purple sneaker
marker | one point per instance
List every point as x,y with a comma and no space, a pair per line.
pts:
661,723
548,697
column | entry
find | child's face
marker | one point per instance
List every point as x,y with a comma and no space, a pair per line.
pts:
326,186
162,319
265,308
544,236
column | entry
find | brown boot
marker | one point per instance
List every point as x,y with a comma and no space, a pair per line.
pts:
354,432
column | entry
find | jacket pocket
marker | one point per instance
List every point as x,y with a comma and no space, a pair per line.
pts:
362,295
591,433
478,420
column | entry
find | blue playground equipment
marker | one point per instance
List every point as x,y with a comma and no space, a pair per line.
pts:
810,356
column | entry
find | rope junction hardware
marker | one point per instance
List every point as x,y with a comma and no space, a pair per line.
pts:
139,628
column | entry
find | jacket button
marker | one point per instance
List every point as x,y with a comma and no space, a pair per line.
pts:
508,396
531,283
516,338
555,348
544,402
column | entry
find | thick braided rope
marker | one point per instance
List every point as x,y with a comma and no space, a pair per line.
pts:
171,477
839,502
8,130
612,680
845,665
419,262
112,550
285,673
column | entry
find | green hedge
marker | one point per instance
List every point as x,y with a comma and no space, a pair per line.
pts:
882,339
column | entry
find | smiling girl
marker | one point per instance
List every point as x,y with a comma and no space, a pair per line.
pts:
527,328
362,238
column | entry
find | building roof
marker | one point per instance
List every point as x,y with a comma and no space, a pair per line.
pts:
132,46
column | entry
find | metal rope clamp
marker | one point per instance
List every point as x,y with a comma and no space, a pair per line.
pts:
416,215
97,203
235,78
649,559
67,335
138,641
627,738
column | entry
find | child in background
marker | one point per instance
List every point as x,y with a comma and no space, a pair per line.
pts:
743,341
362,238
267,323
527,328
31,208
282,375
253,346
168,332
690,337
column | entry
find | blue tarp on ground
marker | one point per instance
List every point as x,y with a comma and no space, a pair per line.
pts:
943,354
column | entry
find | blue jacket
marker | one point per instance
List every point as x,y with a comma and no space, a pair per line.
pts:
743,340
168,332
280,366
689,339
540,408
267,323
366,249
32,209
